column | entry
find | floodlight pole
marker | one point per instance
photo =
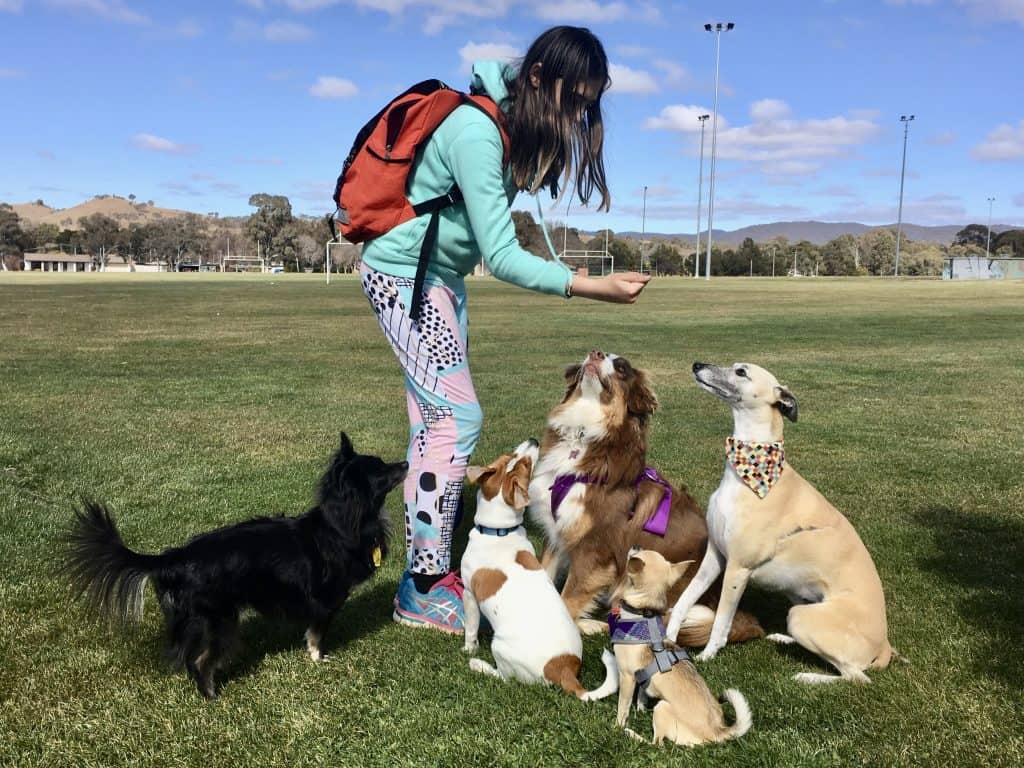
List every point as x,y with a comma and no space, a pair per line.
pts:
988,237
643,229
903,170
700,180
717,29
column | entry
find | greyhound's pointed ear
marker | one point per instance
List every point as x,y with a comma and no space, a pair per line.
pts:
345,448
473,474
786,402
679,570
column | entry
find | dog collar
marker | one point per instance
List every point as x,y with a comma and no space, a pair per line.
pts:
487,530
628,626
758,465
658,524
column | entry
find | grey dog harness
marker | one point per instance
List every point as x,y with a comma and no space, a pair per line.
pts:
635,627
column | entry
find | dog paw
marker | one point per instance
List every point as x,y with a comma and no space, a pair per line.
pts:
470,648
591,626
781,639
707,654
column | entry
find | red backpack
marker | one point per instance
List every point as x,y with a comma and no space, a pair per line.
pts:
373,184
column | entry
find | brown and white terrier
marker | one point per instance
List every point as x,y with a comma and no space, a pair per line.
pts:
596,498
687,712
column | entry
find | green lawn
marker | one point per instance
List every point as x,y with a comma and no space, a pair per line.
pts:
192,401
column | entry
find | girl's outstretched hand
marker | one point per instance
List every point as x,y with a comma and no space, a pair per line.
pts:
618,288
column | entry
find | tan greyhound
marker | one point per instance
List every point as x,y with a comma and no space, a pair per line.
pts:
769,525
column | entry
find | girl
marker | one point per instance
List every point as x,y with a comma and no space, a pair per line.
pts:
552,109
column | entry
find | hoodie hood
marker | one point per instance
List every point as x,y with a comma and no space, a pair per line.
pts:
492,78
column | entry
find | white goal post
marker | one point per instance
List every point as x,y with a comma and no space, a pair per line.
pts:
596,263
341,252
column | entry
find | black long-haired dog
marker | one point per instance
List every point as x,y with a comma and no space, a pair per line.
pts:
302,567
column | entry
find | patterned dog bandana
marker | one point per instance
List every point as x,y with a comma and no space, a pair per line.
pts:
758,465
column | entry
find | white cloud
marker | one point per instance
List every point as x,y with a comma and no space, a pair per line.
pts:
681,118
256,5
333,88
633,51
188,28
994,10
10,74
1018,200
769,110
286,32
839,190
674,74
151,143
582,11
472,52
11,6
626,80
109,10
1005,142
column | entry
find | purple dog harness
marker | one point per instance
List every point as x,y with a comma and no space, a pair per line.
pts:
630,626
658,524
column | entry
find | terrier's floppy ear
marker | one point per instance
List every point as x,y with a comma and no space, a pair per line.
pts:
679,570
517,484
786,402
474,473
641,400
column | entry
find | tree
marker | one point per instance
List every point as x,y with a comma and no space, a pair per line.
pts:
99,232
972,234
1012,239
266,225
840,256
12,238
878,251
626,257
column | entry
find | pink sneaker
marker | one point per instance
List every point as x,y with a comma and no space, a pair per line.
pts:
440,608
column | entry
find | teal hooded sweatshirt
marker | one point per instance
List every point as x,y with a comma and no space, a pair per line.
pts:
466,150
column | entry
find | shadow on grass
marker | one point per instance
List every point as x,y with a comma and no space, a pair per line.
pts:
983,557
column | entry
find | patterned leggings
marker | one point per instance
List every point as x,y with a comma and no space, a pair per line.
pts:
444,415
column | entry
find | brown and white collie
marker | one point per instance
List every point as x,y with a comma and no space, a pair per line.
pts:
596,497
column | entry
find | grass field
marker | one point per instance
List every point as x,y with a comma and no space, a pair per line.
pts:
193,401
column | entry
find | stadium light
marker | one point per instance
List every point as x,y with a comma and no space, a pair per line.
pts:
988,237
899,217
700,179
717,29
643,229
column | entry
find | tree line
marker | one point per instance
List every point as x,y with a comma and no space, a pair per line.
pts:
274,232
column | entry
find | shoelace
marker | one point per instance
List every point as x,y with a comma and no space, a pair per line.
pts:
452,581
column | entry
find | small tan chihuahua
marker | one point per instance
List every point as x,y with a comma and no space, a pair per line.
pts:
688,712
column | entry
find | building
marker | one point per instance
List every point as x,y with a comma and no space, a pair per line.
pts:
981,268
55,261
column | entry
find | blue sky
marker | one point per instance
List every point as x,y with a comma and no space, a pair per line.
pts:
197,105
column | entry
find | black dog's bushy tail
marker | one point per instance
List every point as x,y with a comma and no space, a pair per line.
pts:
101,568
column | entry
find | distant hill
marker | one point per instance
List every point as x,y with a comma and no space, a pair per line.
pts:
817,232
117,208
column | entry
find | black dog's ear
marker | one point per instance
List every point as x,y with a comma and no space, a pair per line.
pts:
786,402
345,450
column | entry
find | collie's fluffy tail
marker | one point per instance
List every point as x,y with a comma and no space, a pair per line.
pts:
695,631
744,719
100,567
611,679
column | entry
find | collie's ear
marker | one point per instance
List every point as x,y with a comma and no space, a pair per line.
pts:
345,448
641,400
786,402
679,570
572,380
473,474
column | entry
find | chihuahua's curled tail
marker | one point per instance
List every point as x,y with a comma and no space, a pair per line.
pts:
744,718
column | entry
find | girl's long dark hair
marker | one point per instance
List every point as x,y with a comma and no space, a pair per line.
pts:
550,134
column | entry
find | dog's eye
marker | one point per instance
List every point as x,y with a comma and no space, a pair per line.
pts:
742,372
621,366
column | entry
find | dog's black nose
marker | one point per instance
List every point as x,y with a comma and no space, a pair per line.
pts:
698,366
597,353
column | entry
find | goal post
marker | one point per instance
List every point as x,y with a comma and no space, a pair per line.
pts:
594,263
